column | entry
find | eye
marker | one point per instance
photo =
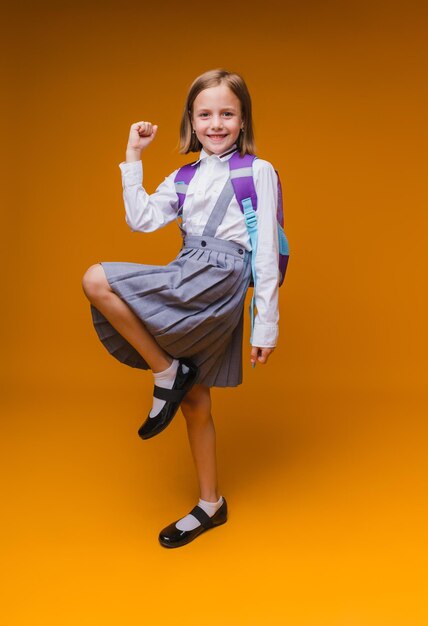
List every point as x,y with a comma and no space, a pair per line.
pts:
228,113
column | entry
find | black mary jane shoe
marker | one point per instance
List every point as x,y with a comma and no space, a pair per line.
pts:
173,397
172,537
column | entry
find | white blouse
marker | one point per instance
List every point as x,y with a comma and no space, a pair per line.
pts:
147,212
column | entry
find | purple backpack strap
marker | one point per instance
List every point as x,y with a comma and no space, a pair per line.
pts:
241,174
182,180
243,183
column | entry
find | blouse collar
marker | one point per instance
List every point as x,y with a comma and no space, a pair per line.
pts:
225,156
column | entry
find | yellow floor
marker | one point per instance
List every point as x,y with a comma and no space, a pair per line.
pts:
327,514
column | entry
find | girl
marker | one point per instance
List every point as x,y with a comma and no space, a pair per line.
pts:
184,320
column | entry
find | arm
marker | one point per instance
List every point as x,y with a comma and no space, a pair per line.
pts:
266,329
143,211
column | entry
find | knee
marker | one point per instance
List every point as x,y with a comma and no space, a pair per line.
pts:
94,282
196,404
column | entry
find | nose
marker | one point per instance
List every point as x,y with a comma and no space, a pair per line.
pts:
216,122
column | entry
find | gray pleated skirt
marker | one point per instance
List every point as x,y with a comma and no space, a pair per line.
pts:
193,307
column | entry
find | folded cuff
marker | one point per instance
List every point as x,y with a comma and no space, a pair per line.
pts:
265,335
132,172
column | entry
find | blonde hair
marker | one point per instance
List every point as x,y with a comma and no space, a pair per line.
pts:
188,140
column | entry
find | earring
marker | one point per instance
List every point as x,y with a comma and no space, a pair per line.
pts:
193,130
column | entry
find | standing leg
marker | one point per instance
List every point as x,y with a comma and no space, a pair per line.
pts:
196,408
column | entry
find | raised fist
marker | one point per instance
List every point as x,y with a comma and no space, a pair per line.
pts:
141,134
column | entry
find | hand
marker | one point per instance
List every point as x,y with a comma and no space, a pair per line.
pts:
140,135
260,355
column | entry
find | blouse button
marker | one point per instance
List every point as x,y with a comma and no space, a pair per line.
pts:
203,243
241,251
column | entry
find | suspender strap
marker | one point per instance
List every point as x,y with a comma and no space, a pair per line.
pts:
219,210
182,180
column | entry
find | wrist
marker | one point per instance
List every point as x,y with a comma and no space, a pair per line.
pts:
132,154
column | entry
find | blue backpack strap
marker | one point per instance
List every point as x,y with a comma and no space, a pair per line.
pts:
241,174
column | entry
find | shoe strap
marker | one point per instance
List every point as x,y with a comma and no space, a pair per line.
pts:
170,395
201,516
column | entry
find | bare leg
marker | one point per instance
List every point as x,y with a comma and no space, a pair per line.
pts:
123,319
196,408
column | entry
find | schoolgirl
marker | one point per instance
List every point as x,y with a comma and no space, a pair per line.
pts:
184,320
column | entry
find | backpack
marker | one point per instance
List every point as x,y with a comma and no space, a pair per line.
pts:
241,175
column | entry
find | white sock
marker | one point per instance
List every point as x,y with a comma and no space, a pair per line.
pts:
189,522
163,379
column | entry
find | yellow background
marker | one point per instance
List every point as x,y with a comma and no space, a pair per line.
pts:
322,452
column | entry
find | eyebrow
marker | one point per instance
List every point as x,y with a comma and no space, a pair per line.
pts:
231,108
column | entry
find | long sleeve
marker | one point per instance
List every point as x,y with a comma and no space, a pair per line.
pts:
143,211
266,328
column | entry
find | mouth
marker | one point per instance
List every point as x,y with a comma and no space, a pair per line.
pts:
216,137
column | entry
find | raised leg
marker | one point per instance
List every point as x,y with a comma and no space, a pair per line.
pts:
196,408
123,319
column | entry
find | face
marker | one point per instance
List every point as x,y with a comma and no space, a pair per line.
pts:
216,118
